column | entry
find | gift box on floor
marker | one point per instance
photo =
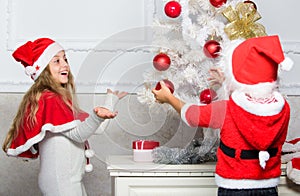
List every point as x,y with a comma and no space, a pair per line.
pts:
142,150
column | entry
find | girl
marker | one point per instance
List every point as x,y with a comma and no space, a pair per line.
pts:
49,123
253,122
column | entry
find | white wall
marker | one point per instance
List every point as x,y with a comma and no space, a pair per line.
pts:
114,28
119,33
281,17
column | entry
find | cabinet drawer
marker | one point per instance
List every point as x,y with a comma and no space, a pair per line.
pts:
165,186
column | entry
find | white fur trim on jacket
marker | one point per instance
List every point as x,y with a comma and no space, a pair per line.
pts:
259,109
245,183
183,111
39,137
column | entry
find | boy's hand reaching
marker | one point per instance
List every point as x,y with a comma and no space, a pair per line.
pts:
163,95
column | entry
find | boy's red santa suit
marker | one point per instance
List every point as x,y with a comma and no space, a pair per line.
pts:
254,121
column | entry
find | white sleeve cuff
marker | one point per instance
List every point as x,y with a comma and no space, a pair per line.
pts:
183,111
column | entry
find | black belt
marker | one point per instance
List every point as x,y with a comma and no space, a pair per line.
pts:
246,154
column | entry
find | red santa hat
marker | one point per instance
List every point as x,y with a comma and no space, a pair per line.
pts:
255,61
36,55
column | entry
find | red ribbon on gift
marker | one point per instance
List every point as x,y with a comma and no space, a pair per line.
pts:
144,144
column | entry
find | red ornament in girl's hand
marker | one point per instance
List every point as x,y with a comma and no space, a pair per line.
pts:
217,3
212,48
161,62
168,83
173,9
207,96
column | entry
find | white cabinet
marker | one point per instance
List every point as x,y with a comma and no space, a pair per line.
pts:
164,186
131,178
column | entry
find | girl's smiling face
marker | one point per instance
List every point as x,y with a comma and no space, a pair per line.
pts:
59,68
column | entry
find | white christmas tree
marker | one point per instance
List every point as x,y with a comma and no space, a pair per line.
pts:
189,41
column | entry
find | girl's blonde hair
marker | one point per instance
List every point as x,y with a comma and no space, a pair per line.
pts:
30,102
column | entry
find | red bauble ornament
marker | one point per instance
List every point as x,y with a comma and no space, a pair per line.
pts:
161,62
217,3
212,48
168,83
173,9
207,96
254,5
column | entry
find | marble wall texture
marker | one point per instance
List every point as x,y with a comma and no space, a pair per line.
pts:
135,121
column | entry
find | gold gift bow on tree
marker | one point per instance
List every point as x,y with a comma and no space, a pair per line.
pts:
242,22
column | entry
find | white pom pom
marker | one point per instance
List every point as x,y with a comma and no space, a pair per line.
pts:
89,153
30,70
89,168
287,64
264,156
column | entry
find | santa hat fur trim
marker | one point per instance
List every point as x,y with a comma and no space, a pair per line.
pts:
36,55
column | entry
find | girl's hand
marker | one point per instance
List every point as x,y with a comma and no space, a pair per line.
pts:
104,113
163,95
120,95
